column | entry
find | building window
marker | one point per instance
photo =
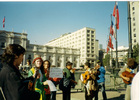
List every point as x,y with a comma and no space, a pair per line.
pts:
133,18
134,35
88,31
92,31
133,13
74,64
134,40
67,58
87,35
58,58
49,57
134,29
58,64
2,44
133,8
134,24
74,58
29,57
88,47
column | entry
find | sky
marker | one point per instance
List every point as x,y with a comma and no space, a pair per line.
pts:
45,21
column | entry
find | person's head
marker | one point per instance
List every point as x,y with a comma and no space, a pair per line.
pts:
28,62
98,63
86,65
37,62
132,63
69,65
46,64
13,54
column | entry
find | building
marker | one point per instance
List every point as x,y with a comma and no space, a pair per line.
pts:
122,53
134,15
84,40
58,56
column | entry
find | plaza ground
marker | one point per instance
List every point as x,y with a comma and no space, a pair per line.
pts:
111,95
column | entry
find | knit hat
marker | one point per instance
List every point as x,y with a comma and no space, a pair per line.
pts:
36,57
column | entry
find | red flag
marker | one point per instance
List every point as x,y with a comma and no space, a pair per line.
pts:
112,30
110,43
107,49
4,22
116,14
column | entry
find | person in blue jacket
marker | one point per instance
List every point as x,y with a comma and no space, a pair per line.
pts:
101,81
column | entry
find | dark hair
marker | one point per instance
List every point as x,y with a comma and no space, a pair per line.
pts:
28,60
11,51
132,63
69,63
48,62
98,62
87,64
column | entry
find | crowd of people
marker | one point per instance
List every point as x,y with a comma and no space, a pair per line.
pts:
40,86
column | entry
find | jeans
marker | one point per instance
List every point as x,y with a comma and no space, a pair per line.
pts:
102,87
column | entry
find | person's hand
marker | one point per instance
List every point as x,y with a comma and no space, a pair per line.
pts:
45,83
75,82
127,78
36,74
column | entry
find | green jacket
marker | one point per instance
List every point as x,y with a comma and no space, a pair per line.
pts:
39,87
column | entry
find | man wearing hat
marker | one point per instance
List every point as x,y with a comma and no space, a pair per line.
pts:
130,69
67,81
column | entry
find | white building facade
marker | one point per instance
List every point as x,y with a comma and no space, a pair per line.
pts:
58,56
84,40
122,53
134,14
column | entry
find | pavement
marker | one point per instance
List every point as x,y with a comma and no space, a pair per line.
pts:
80,95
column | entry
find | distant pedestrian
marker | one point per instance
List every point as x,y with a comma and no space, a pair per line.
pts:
13,84
27,67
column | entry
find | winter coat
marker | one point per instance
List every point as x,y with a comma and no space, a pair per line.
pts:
14,85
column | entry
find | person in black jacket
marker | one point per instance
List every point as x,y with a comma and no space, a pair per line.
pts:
13,84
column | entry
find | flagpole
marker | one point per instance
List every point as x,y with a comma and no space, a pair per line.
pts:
116,38
111,48
129,32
